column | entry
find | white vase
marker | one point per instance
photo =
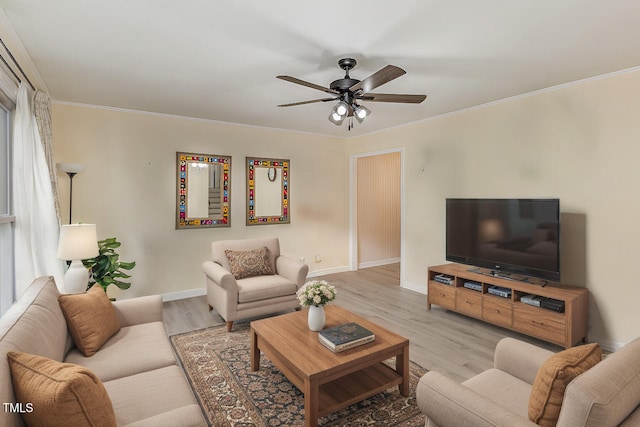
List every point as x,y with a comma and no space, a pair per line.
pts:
316,318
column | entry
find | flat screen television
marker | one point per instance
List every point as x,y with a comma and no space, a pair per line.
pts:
519,236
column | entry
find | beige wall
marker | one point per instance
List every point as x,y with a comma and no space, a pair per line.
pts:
580,143
128,190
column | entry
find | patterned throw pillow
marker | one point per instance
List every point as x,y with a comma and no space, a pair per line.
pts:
249,263
552,380
91,318
60,394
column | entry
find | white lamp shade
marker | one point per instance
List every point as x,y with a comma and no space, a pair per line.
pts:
362,113
341,109
78,241
71,167
336,119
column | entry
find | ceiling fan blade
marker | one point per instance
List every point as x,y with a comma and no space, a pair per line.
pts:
307,84
378,78
392,97
307,102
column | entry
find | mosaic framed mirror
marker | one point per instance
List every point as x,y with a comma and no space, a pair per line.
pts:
268,184
203,196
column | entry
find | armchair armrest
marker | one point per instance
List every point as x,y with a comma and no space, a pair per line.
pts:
449,404
218,275
292,269
135,311
520,359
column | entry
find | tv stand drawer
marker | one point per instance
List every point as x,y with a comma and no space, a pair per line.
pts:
539,322
442,295
469,302
497,311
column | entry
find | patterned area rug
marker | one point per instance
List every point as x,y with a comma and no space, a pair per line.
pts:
217,364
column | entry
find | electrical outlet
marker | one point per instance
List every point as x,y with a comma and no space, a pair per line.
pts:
302,259
318,259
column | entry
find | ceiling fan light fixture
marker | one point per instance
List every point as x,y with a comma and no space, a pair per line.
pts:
341,109
348,91
335,118
361,112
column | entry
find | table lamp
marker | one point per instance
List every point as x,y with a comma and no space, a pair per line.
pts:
77,242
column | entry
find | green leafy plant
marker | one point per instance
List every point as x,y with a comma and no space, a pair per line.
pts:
106,268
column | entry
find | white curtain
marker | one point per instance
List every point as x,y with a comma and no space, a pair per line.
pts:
42,112
36,227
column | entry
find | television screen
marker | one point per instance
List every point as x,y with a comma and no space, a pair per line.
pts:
519,236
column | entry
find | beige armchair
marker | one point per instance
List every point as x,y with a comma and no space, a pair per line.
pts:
607,394
269,288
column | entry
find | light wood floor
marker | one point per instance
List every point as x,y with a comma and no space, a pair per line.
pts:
456,345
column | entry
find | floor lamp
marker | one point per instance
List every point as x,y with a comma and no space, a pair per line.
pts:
71,169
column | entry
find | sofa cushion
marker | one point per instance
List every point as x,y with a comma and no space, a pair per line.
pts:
134,349
502,388
219,246
265,287
61,394
249,263
91,318
159,397
553,377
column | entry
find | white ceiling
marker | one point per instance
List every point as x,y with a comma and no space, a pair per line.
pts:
217,59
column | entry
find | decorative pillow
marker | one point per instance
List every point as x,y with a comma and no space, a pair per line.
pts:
91,318
59,394
552,380
249,263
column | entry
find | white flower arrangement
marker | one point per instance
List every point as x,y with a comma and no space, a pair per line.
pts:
316,292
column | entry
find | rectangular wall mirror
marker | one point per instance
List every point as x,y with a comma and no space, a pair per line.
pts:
268,182
203,191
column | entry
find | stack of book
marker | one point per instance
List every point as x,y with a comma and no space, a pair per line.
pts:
344,337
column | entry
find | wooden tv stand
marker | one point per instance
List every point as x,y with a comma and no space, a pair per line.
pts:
565,329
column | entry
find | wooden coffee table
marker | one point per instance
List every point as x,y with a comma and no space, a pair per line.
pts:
330,381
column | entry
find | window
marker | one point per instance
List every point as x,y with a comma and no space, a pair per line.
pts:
4,161
6,218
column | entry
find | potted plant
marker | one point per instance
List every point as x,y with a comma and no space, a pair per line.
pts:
106,268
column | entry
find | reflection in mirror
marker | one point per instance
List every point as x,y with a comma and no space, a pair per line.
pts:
268,191
203,196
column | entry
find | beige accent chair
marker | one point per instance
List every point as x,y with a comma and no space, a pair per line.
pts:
608,394
252,296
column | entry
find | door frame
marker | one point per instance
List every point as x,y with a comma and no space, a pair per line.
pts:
353,207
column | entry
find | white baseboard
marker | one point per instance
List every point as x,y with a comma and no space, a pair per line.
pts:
378,262
172,296
332,270
422,288
606,344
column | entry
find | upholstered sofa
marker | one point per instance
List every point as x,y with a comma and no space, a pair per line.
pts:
249,277
606,394
137,365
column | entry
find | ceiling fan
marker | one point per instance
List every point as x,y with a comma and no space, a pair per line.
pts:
348,92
